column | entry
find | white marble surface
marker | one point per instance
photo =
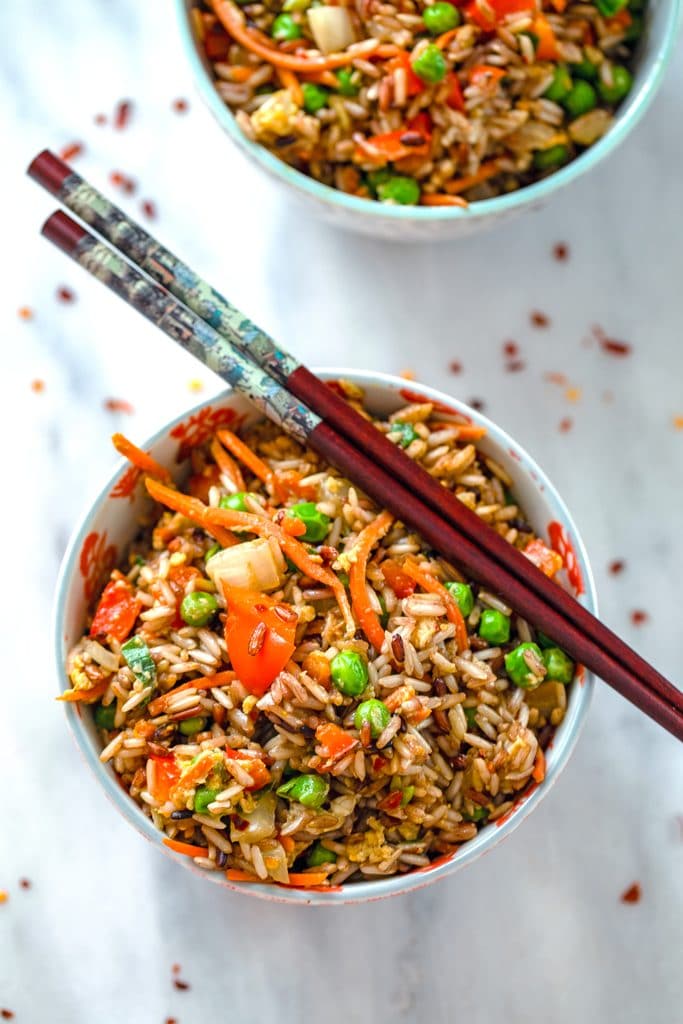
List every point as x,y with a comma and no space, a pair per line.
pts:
535,932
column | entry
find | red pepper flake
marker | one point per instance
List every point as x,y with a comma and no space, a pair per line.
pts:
25,313
71,151
182,986
565,425
180,106
122,114
516,366
556,378
38,386
632,894
123,182
561,252
607,397
7,1014
455,366
617,566
538,319
477,403
171,1020
4,895
100,119
510,348
678,422
175,969
118,405
610,345
65,294
25,883
149,209
638,617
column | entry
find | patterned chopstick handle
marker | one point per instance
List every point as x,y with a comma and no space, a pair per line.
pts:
182,325
158,263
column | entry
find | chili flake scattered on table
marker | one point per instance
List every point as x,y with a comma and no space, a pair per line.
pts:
561,252
175,969
180,106
122,181
566,425
678,422
171,1020
100,119
122,114
455,366
25,313
4,895
38,386
632,894
182,986
573,394
515,366
71,151
617,566
638,617
408,374
477,403
118,405
539,319
25,883
556,378
610,345
608,397
65,294
7,1014
148,208
510,348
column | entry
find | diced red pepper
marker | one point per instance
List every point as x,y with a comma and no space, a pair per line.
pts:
414,84
391,802
501,9
257,660
455,98
165,773
116,612
543,557
333,741
547,42
254,766
399,581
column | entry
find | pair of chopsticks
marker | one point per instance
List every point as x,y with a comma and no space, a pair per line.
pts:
212,329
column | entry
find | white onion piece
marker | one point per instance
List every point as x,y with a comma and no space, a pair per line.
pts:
331,28
261,822
253,565
101,655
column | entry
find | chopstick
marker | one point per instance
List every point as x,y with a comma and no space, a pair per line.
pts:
194,334
248,339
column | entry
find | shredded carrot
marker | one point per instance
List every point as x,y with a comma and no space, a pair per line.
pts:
140,459
469,431
559,5
227,465
444,39
291,82
487,170
85,696
243,452
293,527
367,617
323,78
236,875
388,50
189,507
538,773
440,199
306,879
232,20
189,849
240,73
213,518
434,586
287,844
546,48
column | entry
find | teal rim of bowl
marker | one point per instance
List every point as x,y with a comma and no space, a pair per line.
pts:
357,892
633,110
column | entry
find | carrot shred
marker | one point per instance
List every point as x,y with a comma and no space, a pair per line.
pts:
232,20
75,696
237,875
322,78
189,849
487,170
240,73
158,705
291,83
444,39
287,843
367,617
243,452
227,465
434,586
441,199
469,431
538,772
306,879
189,507
213,518
140,459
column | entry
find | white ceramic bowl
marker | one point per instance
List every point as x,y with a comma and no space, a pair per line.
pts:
422,223
109,524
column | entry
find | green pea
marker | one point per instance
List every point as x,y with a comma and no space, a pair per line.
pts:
191,726
441,17
494,626
318,855
430,64
349,80
104,716
317,523
585,69
478,814
373,713
204,796
285,28
315,97
580,99
622,80
560,85
608,8
309,790
470,715
197,608
551,157
517,668
399,189
559,666
463,595
408,794
234,501
543,640
637,5
635,29
349,673
405,432
378,177
213,550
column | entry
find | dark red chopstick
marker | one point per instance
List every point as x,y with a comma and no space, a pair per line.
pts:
191,332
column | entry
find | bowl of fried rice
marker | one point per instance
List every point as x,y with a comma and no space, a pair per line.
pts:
207,671
427,119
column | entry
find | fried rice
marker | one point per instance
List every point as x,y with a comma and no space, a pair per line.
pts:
293,687
422,102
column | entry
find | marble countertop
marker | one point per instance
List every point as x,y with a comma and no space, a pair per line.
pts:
534,933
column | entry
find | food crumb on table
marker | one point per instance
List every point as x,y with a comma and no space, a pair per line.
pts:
38,385
123,114
611,346
118,405
181,985
573,394
561,252
565,425
65,294
678,422
7,1014
638,617
515,366
510,348
617,566
149,209
539,319
455,366
180,105
123,181
632,894
100,119
25,883
25,313
4,895
71,151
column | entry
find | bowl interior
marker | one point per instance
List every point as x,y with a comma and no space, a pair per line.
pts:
110,524
662,20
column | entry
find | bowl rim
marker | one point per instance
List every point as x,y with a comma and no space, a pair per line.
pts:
357,892
631,113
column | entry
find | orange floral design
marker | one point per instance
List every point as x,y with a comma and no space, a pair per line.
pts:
125,487
200,427
560,542
415,396
97,560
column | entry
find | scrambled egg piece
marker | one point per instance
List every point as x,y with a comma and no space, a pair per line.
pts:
368,847
280,116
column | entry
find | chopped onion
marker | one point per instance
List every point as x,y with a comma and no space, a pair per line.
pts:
590,127
101,655
331,28
275,859
261,822
254,565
